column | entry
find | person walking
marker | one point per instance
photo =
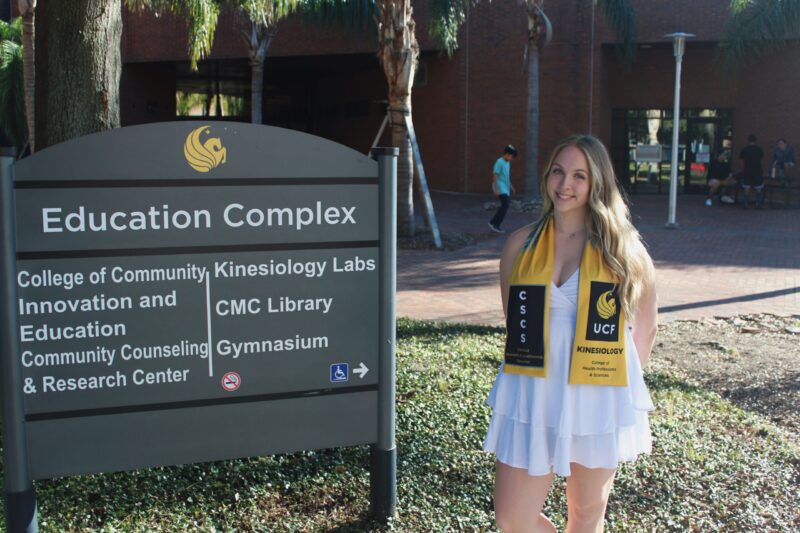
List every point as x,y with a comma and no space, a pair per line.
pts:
570,399
502,186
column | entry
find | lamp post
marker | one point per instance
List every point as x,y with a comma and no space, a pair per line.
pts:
678,46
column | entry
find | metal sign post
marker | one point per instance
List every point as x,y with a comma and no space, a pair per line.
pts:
20,494
383,460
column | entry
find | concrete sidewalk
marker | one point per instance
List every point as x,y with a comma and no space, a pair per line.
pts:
722,261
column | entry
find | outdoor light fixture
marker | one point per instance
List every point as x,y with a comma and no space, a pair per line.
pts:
678,46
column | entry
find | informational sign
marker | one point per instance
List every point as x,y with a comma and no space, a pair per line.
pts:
191,292
648,153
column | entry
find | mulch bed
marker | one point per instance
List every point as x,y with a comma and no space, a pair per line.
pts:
751,360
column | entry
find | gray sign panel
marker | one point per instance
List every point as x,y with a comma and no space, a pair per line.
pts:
185,294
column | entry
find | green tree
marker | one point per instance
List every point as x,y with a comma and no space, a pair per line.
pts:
398,53
12,97
622,17
201,16
756,28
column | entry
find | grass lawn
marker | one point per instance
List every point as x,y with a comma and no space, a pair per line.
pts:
714,466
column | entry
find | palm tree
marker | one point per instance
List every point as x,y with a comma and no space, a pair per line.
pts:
756,28
540,32
621,16
263,17
398,53
202,17
12,108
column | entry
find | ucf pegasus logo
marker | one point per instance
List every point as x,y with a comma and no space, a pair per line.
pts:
603,320
607,305
204,156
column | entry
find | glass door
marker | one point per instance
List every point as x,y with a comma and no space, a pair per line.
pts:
703,142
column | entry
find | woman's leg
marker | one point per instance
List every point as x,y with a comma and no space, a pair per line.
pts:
518,500
587,496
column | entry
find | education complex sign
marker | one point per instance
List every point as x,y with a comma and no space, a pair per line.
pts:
189,292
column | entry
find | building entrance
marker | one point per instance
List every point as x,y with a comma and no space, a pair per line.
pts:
706,141
642,147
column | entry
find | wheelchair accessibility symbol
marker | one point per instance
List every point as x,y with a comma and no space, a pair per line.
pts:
340,372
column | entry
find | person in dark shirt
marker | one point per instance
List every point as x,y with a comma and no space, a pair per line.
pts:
753,173
719,177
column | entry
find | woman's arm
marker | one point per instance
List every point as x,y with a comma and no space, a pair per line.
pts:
509,255
645,323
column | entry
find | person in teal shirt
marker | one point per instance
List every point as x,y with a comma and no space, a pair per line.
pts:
502,187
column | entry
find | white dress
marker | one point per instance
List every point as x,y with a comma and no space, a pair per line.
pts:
543,424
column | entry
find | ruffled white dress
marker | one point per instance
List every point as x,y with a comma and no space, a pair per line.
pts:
544,424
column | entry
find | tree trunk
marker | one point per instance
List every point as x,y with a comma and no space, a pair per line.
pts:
258,43
79,68
539,35
405,169
532,138
398,55
27,9
256,92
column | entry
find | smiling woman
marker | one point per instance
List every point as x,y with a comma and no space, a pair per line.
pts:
570,398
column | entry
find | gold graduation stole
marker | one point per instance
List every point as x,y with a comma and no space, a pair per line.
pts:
598,349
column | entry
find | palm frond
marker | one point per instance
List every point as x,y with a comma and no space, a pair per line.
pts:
200,15
12,93
756,28
266,12
11,31
446,17
622,17
352,15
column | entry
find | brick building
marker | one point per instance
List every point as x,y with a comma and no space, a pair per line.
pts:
327,82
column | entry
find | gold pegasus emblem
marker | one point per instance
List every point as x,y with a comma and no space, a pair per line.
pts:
606,305
204,157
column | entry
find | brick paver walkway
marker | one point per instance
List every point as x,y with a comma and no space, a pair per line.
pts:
722,261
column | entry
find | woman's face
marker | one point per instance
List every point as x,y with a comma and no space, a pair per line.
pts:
568,182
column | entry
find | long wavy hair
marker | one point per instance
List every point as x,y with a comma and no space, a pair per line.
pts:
610,227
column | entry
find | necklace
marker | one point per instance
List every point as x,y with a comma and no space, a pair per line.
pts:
572,234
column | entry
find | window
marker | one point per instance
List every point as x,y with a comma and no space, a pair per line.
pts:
219,88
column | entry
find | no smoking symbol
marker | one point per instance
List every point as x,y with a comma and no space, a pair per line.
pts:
231,381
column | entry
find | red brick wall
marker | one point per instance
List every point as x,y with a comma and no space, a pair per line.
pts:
498,84
704,18
147,37
475,103
767,101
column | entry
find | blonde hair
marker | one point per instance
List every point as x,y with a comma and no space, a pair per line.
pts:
610,227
